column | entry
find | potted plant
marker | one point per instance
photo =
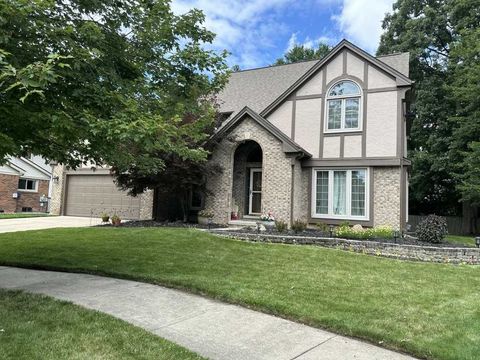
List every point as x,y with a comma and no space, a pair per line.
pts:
116,221
268,220
204,216
105,217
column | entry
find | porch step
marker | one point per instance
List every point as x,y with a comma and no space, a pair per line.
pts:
242,223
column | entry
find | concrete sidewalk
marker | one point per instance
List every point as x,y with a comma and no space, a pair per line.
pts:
47,222
207,327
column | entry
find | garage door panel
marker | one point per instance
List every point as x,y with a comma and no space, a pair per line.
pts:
89,195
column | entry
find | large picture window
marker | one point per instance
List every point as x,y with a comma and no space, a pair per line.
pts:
343,107
340,194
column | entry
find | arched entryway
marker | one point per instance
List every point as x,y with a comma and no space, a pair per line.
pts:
247,180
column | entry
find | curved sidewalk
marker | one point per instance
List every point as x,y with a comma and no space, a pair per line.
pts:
210,328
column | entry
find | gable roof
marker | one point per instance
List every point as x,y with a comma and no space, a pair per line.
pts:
400,78
289,146
258,88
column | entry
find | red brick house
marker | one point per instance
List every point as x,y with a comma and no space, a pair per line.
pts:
23,184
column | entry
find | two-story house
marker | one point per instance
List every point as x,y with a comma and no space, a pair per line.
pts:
321,141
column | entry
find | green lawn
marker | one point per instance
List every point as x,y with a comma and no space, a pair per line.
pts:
464,240
429,310
39,327
22,215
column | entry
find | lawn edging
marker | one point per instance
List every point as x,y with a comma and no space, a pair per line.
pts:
452,255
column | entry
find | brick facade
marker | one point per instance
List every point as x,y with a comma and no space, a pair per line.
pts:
9,185
276,173
32,199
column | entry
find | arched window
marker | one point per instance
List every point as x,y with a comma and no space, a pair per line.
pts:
343,106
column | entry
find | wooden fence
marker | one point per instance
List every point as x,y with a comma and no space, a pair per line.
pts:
454,223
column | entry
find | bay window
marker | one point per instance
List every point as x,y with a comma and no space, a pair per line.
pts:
340,194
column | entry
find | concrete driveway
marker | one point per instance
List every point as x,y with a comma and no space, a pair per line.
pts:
48,222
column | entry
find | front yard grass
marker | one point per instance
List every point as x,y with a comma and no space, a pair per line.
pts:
429,310
22,215
39,327
463,240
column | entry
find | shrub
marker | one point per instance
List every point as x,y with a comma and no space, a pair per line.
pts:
281,225
382,232
205,213
299,226
432,229
323,227
358,232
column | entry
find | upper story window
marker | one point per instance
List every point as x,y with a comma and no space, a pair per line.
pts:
343,107
27,185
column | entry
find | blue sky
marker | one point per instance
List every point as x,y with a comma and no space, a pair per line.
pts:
256,32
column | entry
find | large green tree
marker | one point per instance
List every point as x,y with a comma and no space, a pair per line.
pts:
444,64
302,53
127,83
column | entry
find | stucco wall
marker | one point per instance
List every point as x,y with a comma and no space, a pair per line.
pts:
331,147
276,177
379,118
382,124
307,125
282,118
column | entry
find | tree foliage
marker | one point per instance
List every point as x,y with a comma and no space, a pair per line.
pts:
444,56
302,53
124,83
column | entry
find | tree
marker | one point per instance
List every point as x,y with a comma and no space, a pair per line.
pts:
435,34
132,83
302,53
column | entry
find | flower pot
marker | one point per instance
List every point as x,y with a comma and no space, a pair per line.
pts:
269,225
202,220
105,219
116,222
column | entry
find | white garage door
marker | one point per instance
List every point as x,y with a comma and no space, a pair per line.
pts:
88,195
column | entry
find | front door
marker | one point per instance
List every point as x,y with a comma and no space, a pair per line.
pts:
255,192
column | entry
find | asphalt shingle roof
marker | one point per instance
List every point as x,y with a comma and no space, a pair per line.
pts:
258,88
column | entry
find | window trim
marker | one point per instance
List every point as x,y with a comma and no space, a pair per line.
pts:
342,116
330,214
28,190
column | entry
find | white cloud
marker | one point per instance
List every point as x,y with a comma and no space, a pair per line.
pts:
248,27
361,21
310,43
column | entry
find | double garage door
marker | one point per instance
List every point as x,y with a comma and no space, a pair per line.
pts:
91,195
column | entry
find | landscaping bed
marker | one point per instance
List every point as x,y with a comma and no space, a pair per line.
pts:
170,224
314,233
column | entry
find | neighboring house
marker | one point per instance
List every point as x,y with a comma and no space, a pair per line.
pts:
320,141
24,185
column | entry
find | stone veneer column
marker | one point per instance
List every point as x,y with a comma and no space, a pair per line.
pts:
386,196
56,199
146,205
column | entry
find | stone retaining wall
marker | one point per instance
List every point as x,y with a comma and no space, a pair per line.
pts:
453,255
